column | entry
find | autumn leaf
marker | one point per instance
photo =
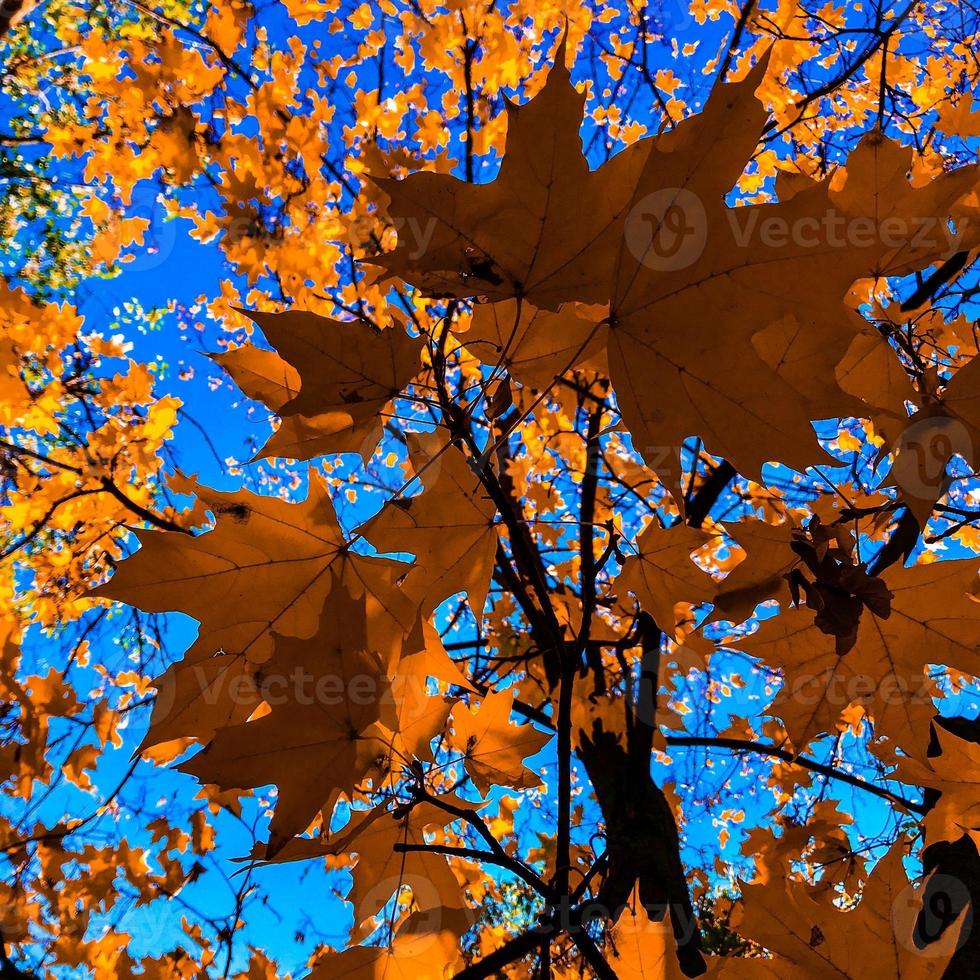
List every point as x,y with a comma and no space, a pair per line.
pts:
933,619
954,773
267,567
265,377
535,346
520,234
872,370
381,869
200,694
493,749
643,949
311,744
348,372
749,389
448,527
662,574
816,939
760,575
426,947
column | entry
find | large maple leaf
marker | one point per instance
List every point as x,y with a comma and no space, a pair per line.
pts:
320,734
265,377
208,690
535,345
933,619
346,371
955,773
522,234
662,575
493,749
639,948
381,869
818,941
201,693
449,527
425,947
266,567
384,848
717,328
761,575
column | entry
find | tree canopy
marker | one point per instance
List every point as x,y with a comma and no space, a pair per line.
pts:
548,545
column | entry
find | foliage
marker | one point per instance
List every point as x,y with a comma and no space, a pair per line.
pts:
593,387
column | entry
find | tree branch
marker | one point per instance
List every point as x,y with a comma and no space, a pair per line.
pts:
760,748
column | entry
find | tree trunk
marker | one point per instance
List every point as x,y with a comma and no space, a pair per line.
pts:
642,843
